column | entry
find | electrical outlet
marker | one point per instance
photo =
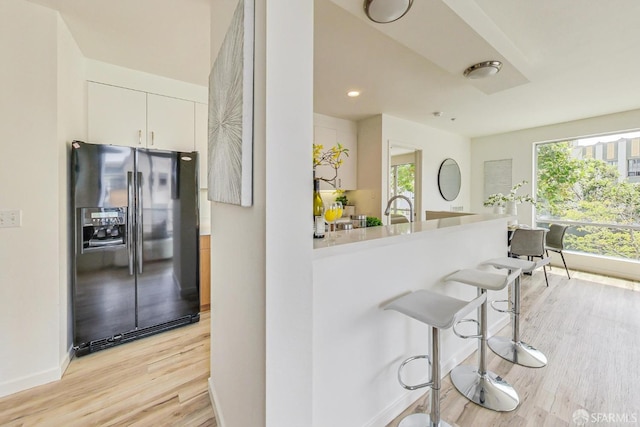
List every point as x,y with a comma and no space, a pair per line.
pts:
10,218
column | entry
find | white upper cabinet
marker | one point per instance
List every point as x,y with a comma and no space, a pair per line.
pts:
116,115
328,131
170,123
202,145
121,116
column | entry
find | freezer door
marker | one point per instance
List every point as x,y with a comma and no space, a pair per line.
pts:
167,270
104,280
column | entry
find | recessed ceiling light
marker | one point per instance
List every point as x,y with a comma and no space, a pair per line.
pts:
353,93
483,69
385,11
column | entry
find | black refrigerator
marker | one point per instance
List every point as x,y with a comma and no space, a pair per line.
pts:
136,243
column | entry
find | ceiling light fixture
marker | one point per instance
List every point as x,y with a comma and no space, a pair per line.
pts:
483,69
385,11
353,93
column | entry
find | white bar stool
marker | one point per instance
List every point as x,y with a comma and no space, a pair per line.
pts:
513,349
476,383
440,312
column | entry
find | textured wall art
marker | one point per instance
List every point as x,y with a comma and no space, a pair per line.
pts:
497,177
230,169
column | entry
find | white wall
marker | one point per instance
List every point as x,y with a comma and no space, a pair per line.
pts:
436,146
72,124
519,146
374,136
103,72
260,303
289,128
36,118
237,273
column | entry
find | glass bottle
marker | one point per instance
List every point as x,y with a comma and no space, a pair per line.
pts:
318,211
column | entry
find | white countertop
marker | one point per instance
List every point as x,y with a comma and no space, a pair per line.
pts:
345,241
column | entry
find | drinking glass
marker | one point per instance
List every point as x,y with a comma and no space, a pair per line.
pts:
330,215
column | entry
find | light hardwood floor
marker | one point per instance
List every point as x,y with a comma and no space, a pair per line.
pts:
590,333
157,381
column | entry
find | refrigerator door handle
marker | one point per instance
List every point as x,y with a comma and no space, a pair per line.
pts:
139,220
130,204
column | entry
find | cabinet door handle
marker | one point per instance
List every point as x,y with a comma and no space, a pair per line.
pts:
140,136
339,183
152,137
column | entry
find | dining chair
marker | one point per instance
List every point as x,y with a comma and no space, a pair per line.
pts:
530,243
555,242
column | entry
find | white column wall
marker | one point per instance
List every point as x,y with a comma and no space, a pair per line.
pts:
518,146
261,256
237,380
289,190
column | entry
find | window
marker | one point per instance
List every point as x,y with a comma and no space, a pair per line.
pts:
611,151
588,152
580,183
402,182
635,147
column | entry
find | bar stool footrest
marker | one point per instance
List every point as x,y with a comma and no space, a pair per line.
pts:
409,360
466,336
500,310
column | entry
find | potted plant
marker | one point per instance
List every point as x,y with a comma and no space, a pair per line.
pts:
342,197
499,201
373,221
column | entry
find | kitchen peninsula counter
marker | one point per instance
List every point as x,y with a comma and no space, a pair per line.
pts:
345,241
357,346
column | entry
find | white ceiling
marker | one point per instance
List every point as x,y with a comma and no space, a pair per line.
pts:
563,59
170,38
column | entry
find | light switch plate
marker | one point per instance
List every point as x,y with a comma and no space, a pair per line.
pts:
10,218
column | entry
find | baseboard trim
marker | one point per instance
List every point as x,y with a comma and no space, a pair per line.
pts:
215,403
395,408
40,378
389,413
30,381
66,360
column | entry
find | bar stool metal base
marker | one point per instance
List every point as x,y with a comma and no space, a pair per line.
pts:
488,390
420,420
519,352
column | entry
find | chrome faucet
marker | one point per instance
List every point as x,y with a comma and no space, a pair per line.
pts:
400,196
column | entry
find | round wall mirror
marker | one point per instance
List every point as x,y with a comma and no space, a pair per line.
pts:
449,179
